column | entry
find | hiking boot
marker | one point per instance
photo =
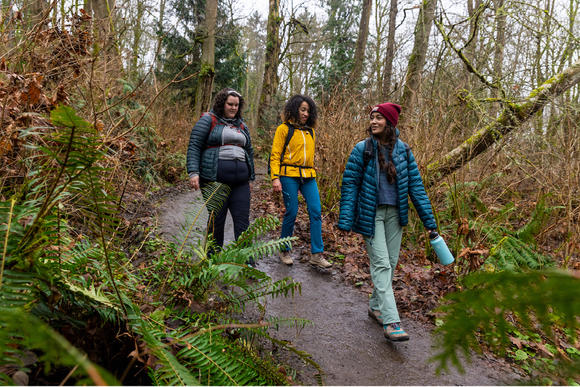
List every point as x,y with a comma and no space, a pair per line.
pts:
394,332
376,315
305,258
318,260
286,258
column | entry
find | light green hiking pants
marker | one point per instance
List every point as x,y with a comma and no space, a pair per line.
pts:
383,250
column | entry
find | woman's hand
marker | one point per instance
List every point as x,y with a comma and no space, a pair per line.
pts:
276,185
194,182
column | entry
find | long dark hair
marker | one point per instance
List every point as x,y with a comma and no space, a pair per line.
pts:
292,106
220,100
387,138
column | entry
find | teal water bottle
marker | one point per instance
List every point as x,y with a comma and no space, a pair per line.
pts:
441,249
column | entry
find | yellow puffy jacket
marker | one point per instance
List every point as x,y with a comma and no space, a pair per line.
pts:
299,155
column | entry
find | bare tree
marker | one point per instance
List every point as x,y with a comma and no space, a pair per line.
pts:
390,55
361,43
138,30
272,60
207,71
419,53
474,10
500,40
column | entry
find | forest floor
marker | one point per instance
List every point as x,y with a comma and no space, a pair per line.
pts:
347,344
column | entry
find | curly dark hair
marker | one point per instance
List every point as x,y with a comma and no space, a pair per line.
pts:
292,106
387,138
220,100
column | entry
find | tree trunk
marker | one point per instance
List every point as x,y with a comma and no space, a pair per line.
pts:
511,117
388,72
359,54
137,34
272,59
500,16
160,32
103,12
207,71
473,9
417,58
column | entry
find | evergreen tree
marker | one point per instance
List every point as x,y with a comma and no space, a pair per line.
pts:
181,57
341,32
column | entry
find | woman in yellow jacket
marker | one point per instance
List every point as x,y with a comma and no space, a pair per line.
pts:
292,170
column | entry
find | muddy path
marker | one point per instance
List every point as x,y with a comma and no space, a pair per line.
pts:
347,344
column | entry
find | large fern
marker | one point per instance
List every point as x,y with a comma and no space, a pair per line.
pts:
514,250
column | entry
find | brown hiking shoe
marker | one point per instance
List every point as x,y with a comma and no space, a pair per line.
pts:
286,258
376,315
318,260
305,258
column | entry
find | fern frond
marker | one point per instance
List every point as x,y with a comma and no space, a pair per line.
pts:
16,290
237,253
169,371
513,254
257,229
219,361
215,195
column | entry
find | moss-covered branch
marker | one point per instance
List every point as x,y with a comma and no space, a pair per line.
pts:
512,117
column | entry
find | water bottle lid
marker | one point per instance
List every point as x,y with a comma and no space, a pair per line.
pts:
433,234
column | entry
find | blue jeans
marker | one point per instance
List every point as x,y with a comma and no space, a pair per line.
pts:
309,189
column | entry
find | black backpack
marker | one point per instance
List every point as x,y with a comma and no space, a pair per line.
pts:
289,135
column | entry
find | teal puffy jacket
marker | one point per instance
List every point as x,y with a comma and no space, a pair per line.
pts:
359,191
204,143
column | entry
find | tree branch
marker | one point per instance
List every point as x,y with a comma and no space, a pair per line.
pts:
512,117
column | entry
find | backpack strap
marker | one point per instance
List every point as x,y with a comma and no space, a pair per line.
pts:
287,140
214,121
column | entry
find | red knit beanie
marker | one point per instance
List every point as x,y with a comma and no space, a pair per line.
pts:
389,110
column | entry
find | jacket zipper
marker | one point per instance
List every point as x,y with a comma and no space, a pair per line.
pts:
304,138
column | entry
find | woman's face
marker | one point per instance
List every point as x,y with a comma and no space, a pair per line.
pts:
231,106
303,113
378,123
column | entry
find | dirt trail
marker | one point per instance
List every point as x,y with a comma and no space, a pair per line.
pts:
347,344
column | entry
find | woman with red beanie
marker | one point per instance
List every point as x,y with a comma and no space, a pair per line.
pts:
381,174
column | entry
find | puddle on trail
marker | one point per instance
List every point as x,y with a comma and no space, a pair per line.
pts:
347,344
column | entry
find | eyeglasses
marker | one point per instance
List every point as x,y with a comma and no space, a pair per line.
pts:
234,93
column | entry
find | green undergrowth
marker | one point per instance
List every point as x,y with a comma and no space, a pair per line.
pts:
68,291
512,298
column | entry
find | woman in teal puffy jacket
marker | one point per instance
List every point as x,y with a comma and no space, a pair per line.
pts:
380,176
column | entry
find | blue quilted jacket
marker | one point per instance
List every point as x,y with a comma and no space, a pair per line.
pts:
204,143
359,192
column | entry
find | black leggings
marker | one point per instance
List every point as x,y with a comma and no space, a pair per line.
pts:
235,174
